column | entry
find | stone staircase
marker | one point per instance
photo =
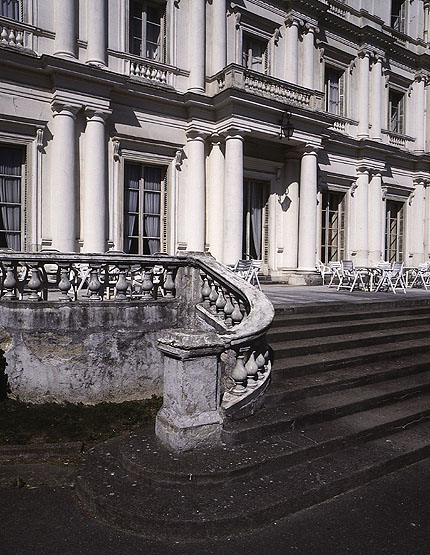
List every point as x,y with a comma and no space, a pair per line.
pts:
349,402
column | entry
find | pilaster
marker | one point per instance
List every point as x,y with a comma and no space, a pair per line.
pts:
96,32
215,197
308,208
292,49
197,40
360,238
308,54
65,22
196,190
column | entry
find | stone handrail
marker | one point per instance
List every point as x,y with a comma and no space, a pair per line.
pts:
216,366
236,76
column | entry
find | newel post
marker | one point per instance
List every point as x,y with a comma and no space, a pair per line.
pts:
190,416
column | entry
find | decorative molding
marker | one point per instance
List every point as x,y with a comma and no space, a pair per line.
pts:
116,149
411,196
354,187
179,157
39,138
276,36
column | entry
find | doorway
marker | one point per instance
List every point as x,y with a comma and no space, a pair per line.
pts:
394,231
255,220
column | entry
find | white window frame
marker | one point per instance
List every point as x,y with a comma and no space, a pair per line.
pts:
400,119
259,35
340,102
162,5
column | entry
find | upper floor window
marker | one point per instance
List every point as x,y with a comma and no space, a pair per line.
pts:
334,91
396,112
254,53
147,29
11,178
144,208
10,8
398,15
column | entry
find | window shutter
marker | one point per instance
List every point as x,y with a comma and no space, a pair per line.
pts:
266,59
401,115
163,57
341,111
265,247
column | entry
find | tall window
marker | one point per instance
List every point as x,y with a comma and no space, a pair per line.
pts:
394,230
254,53
11,163
334,91
10,8
398,15
255,219
147,29
333,227
396,112
144,208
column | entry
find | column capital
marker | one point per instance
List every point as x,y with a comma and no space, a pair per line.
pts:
65,109
309,148
234,133
195,134
363,170
309,27
216,139
96,114
293,20
421,75
364,52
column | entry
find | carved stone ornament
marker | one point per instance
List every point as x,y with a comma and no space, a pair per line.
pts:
179,156
116,150
354,187
39,138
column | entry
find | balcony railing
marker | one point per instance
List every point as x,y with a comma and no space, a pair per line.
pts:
397,139
238,77
217,364
150,70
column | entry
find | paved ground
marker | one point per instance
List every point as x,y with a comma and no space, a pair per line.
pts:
390,516
318,295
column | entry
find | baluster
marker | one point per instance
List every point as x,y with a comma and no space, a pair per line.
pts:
64,284
242,308
228,310
213,297
252,370
261,362
4,34
11,37
268,365
121,285
95,285
239,375
34,284
10,282
220,303
236,315
147,284
20,38
169,284
206,291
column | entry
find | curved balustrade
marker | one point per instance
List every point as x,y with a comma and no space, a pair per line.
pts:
217,362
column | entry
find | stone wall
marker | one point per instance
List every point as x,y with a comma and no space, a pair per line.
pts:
86,352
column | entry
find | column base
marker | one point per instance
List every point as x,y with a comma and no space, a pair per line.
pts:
183,433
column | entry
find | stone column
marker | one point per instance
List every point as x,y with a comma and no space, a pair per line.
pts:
215,198
292,50
219,36
197,40
363,94
96,32
195,194
291,215
95,206
376,107
360,239
375,240
308,55
419,85
427,20
308,209
427,222
233,197
417,223
63,184
65,14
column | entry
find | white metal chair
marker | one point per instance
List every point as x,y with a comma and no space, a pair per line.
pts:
334,268
392,278
243,268
350,277
253,273
322,269
421,276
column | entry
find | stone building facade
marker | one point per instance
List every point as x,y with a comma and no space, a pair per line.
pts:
284,130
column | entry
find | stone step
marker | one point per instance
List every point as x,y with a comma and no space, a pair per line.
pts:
299,387
190,511
321,362
307,346
294,330
270,420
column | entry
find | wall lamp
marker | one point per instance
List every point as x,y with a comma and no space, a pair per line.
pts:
287,128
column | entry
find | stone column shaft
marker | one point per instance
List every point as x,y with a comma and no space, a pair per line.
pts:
215,199
219,36
197,50
95,193
376,99
375,240
419,113
96,32
233,199
65,12
308,210
195,195
291,216
308,57
363,95
63,185
360,240
417,228
292,51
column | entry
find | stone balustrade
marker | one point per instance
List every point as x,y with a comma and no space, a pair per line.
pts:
397,139
148,69
236,76
11,35
212,324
